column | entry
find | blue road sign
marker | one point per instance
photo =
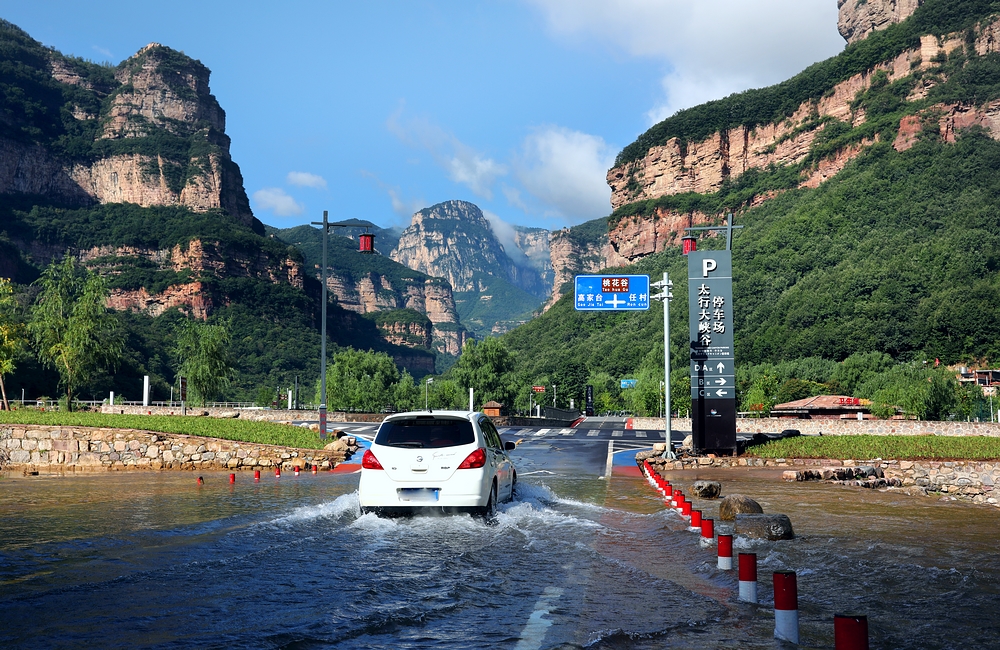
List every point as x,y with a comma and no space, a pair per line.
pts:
628,383
611,292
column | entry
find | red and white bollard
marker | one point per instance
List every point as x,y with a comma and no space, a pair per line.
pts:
315,469
232,478
686,509
725,552
296,470
256,475
277,472
850,632
786,606
695,520
748,577
707,529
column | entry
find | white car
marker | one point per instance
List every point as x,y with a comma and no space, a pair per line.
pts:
446,460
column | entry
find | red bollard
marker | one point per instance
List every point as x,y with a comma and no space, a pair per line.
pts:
696,519
232,478
707,528
850,632
748,577
686,509
786,606
296,470
277,472
256,475
315,469
725,552
201,481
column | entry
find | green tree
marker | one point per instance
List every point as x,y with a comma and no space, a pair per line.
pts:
487,367
12,337
368,382
71,327
913,390
204,358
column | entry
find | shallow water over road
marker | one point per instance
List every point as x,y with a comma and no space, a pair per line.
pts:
153,560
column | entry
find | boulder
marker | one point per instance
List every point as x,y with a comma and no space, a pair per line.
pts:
707,489
659,447
688,442
738,504
761,526
228,414
340,444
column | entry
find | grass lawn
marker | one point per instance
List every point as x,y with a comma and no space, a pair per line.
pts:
885,447
268,433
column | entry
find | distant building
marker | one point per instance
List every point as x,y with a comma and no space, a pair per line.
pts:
987,379
824,407
492,409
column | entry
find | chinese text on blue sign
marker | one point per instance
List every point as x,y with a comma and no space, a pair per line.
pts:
611,292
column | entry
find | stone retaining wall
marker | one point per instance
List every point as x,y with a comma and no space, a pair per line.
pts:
840,427
94,449
263,415
972,480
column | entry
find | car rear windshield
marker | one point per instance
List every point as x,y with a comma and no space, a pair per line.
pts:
424,432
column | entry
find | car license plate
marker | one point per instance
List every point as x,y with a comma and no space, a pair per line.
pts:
418,495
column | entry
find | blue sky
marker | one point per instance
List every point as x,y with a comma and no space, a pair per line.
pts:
376,109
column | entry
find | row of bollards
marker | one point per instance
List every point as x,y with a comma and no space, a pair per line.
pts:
256,474
849,632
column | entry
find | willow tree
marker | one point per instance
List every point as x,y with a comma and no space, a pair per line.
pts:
205,359
72,328
12,339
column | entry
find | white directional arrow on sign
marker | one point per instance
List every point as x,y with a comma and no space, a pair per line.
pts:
721,381
721,366
721,392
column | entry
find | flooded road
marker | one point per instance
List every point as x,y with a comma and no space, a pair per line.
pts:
576,560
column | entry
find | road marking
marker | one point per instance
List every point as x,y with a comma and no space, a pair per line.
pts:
566,432
617,434
611,459
541,431
533,633
640,434
593,433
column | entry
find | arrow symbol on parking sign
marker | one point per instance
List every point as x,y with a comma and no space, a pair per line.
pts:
721,381
721,392
721,366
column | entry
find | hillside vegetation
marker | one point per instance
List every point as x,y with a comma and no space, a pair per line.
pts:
776,103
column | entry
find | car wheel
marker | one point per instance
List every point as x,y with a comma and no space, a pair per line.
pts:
490,511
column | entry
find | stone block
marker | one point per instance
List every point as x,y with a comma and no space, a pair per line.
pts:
19,456
120,446
190,449
736,504
65,445
88,459
152,451
168,456
29,443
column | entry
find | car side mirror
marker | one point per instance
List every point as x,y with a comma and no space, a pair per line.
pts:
509,446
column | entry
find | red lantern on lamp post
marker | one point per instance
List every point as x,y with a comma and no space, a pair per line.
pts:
689,244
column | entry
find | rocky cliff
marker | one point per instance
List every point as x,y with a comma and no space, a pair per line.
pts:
151,134
859,18
703,166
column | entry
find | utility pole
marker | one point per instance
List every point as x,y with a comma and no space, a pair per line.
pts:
665,285
322,346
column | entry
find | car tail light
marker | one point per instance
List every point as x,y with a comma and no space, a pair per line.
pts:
368,461
474,460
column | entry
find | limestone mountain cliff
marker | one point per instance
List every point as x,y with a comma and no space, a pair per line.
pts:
859,18
148,132
455,241
376,285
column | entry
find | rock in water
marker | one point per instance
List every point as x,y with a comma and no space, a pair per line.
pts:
707,489
738,504
761,526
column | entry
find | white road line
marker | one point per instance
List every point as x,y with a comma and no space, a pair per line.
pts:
611,459
617,434
566,432
533,634
640,434
593,434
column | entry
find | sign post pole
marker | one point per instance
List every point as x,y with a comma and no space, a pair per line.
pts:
665,285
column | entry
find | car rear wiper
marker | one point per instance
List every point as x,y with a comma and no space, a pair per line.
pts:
410,445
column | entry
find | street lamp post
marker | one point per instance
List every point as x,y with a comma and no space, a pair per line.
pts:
430,380
553,395
665,285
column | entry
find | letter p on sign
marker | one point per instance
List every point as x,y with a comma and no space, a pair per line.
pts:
707,266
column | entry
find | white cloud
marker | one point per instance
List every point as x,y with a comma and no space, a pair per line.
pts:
103,52
402,206
566,170
513,196
463,164
305,179
711,47
276,200
505,234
